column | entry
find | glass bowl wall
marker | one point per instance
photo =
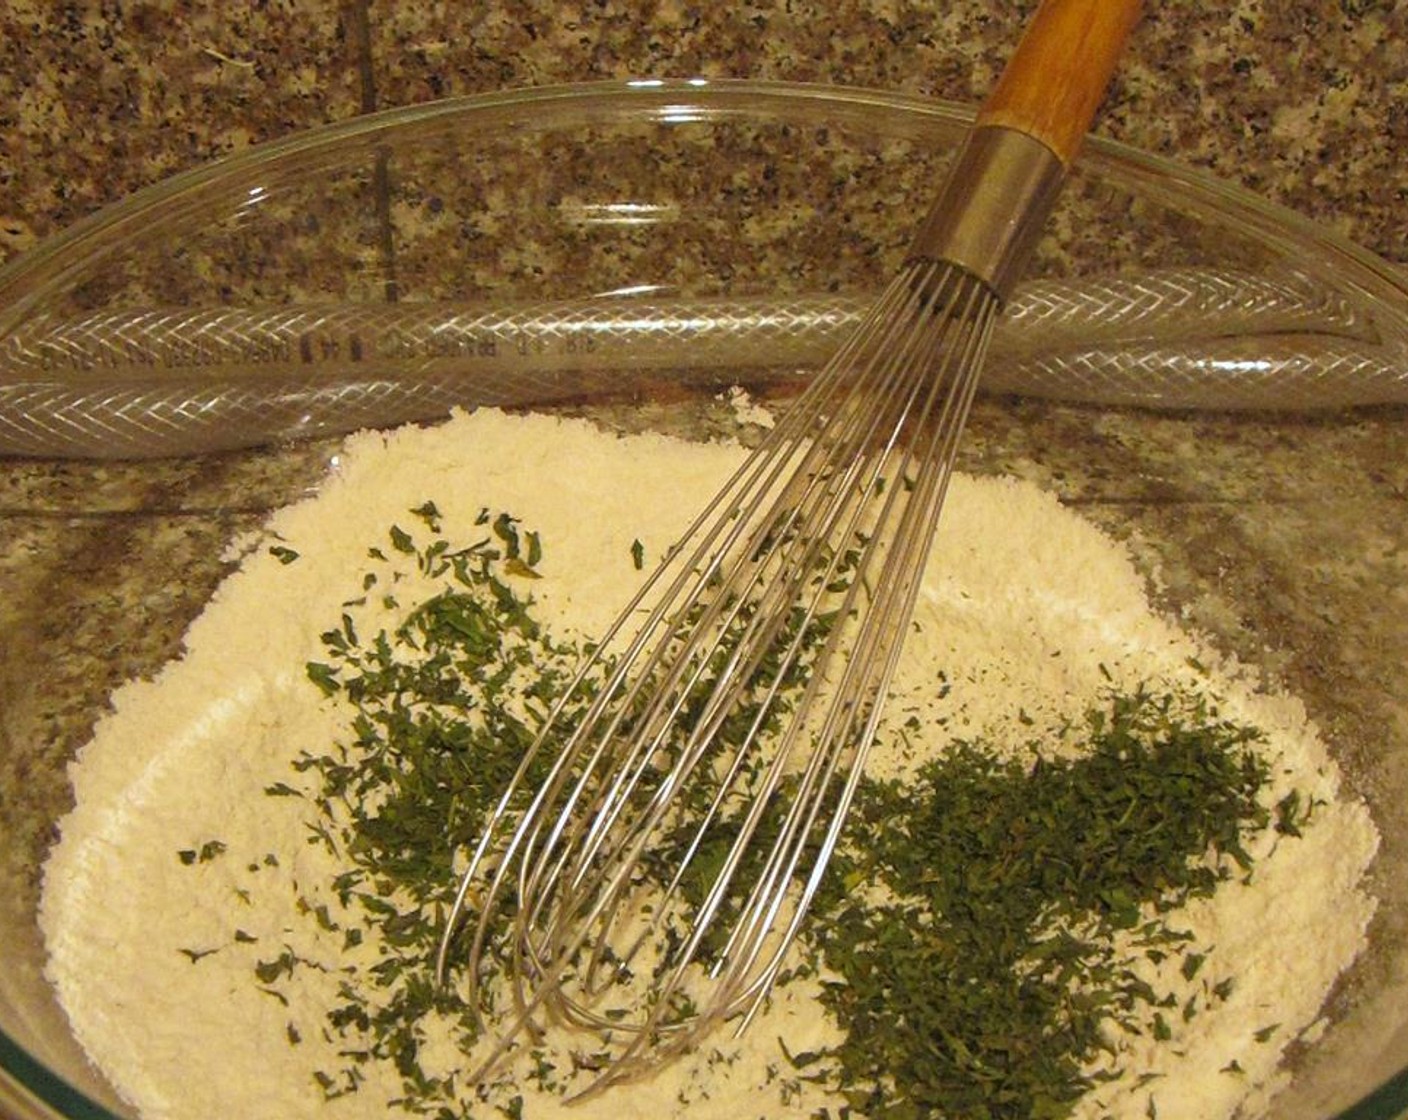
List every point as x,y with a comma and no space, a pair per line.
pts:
1208,377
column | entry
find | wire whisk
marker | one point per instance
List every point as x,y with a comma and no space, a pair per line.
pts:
648,871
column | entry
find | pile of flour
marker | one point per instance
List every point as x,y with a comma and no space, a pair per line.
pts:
1030,615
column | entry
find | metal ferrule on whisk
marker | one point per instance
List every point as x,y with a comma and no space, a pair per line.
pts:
993,208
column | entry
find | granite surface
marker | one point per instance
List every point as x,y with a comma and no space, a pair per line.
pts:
1286,537
1305,103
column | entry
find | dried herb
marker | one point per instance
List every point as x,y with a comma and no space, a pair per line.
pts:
985,981
204,854
441,711
972,917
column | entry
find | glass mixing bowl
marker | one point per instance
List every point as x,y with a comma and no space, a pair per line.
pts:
1206,376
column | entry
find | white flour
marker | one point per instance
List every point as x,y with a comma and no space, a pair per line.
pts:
1030,614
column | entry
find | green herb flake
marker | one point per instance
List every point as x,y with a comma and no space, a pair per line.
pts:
986,983
324,676
204,854
429,512
516,567
272,970
990,883
1293,813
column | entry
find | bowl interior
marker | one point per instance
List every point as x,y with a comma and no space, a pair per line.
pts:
1180,376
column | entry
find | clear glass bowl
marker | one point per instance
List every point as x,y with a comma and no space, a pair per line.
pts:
1207,376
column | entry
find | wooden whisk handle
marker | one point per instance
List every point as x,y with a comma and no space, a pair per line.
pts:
1056,78
1006,178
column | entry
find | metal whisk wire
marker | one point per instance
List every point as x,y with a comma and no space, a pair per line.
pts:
867,451
700,765
816,520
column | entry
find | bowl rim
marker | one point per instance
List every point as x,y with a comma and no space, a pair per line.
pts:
27,278
25,1081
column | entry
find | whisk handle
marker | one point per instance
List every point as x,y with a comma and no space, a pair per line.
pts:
994,205
1056,78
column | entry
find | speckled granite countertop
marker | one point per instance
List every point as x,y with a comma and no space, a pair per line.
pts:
1286,538
1306,103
